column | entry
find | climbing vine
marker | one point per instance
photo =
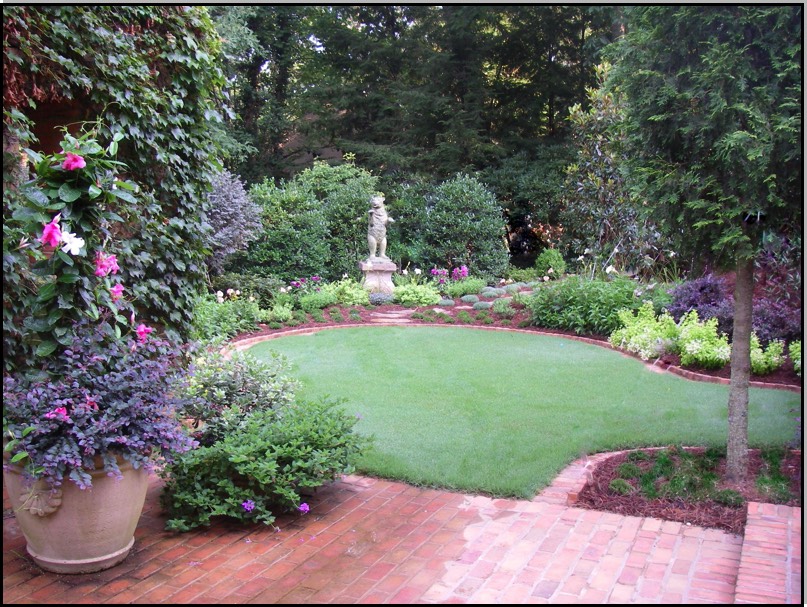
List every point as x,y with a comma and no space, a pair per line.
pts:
150,76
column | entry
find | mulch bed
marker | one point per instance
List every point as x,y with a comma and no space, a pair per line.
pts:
597,496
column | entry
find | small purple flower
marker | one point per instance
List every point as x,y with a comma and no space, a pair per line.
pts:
248,505
304,508
315,278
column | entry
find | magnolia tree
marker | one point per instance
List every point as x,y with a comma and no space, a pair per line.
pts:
713,120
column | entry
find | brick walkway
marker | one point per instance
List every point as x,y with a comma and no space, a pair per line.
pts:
374,541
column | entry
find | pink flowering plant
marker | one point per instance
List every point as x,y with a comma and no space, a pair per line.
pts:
86,384
59,249
109,400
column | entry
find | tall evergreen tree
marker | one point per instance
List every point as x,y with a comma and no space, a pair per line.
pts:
714,105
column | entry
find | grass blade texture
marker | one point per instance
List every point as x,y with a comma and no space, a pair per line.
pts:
503,412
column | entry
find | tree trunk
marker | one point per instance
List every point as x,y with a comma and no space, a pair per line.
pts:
737,451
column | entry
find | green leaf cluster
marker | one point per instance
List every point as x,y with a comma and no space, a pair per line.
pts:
151,74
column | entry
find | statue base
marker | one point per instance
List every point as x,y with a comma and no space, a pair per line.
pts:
378,275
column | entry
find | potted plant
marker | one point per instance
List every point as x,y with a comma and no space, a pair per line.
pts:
90,395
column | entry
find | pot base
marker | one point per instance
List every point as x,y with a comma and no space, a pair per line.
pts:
81,565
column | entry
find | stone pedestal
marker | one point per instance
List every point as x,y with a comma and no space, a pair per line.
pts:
378,275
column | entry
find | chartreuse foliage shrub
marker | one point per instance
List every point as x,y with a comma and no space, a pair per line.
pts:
226,318
148,73
262,465
348,292
588,306
700,344
794,351
767,360
413,295
644,333
465,286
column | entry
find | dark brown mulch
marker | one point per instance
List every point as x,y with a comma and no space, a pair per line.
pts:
597,496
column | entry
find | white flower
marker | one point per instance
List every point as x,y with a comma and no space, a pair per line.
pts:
72,244
404,271
251,298
672,253
230,291
587,251
417,271
345,275
219,294
550,271
546,278
581,258
282,289
237,292
610,270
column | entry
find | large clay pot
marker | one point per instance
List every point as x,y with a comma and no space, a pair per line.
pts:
75,531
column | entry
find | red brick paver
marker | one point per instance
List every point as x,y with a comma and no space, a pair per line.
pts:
376,541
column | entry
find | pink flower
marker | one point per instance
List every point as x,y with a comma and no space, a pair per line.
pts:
59,413
142,332
104,264
73,162
52,234
304,508
117,292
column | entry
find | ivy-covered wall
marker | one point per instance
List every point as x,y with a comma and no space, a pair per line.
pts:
152,74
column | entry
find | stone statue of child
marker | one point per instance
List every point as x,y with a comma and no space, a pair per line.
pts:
377,229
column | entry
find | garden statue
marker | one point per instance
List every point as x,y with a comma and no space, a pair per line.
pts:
377,229
378,268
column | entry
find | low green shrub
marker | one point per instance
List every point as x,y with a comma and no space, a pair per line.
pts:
226,318
466,286
728,497
316,300
464,317
620,486
470,298
589,306
629,470
336,315
448,303
550,263
768,360
503,307
354,315
700,345
483,305
224,389
522,275
262,466
794,352
265,289
644,333
281,313
413,295
347,292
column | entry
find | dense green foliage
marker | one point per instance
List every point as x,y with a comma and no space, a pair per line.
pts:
589,306
315,223
262,465
716,135
233,217
150,73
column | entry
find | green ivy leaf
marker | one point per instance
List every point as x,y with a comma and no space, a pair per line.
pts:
46,348
94,191
68,193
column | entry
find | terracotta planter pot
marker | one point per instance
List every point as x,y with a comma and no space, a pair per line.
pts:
75,531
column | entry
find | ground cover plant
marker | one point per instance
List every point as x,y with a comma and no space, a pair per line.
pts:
492,411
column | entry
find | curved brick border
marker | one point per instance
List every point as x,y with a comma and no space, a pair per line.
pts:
246,342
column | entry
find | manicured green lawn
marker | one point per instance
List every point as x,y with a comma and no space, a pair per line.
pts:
502,413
